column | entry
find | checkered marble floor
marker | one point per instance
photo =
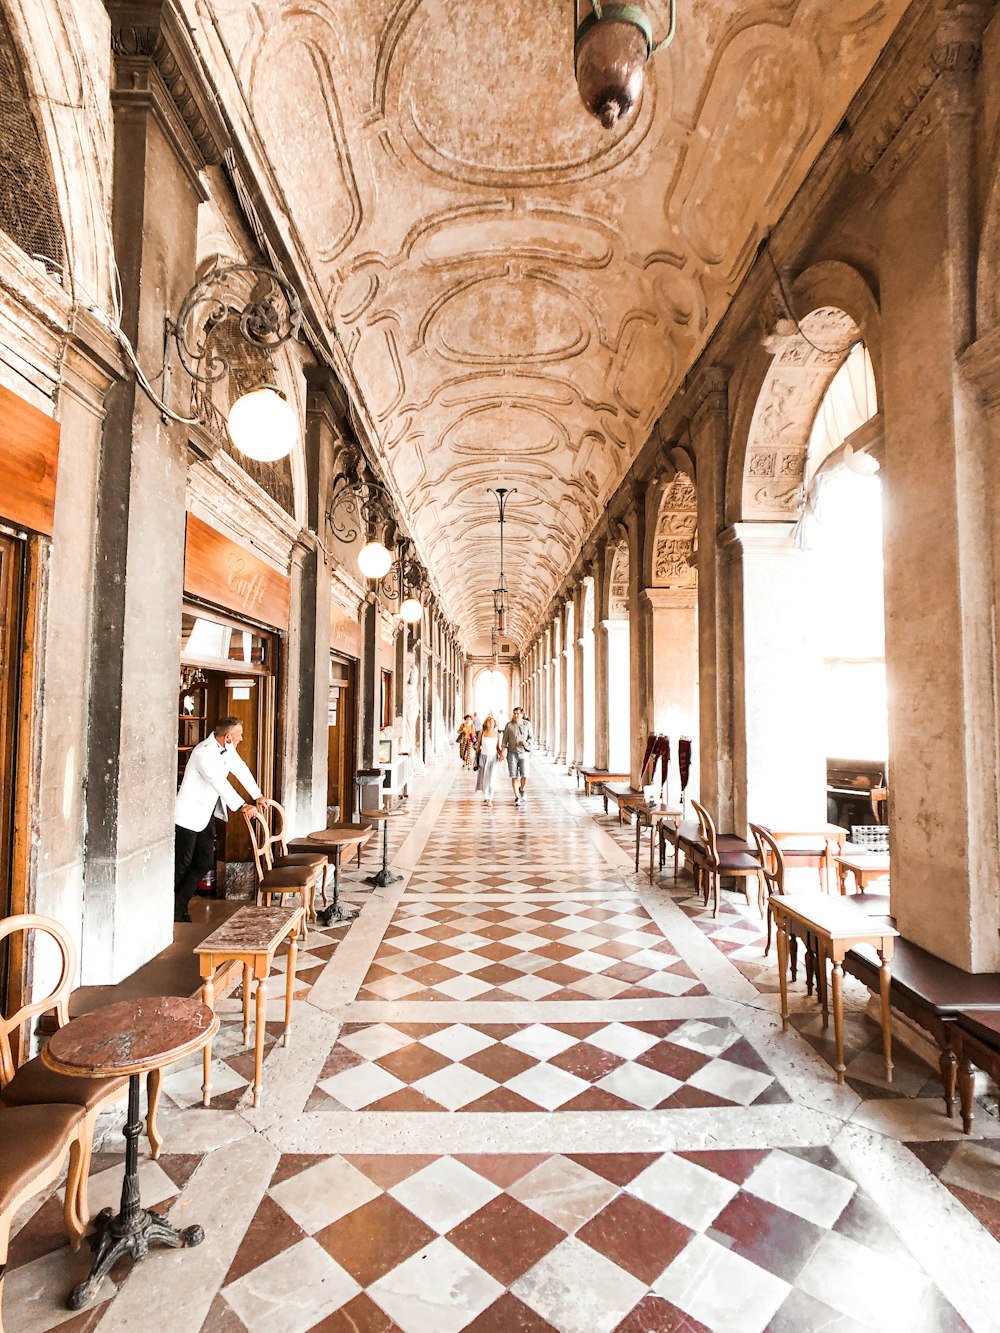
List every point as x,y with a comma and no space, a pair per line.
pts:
529,1091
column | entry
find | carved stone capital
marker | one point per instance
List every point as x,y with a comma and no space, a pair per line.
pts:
707,394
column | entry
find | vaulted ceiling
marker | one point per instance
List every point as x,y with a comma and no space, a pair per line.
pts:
517,291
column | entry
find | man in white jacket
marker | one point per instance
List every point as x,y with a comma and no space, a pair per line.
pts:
206,793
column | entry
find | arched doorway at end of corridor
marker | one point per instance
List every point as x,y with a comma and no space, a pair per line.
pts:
491,692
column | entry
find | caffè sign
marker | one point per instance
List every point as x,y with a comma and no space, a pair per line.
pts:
220,571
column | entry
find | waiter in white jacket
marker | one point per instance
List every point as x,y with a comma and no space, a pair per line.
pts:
206,793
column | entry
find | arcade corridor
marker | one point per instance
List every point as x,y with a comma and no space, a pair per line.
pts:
521,976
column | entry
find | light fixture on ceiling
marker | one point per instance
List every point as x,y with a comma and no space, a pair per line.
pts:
501,597
264,309
613,44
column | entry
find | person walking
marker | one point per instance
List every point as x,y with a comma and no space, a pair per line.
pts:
518,740
466,740
490,756
206,794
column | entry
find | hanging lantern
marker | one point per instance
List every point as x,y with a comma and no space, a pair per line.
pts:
410,610
374,560
613,44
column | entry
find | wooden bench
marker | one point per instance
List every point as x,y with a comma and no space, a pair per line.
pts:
594,777
624,795
932,993
975,1039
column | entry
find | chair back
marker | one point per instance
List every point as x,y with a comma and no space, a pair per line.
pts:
708,835
771,860
260,841
275,815
57,998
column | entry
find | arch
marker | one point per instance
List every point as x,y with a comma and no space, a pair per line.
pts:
58,65
491,691
778,390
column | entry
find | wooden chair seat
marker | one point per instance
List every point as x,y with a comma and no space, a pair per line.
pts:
35,1083
732,859
300,871
729,857
34,1140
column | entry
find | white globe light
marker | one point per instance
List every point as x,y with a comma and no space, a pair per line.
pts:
410,611
374,560
263,424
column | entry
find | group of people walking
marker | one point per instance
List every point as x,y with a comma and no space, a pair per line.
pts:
484,746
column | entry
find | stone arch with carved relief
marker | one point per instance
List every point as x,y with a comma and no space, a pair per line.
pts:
671,535
767,464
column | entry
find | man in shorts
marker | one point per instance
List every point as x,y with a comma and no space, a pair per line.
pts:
518,739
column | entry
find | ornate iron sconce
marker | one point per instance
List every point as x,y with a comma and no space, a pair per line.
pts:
404,583
359,505
267,312
612,46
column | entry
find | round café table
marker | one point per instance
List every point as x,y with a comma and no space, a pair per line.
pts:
130,1038
384,877
338,837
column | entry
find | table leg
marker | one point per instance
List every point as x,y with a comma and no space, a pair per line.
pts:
207,999
133,1230
638,842
247,975
838,1017
385,877
948,1064
258,1049
884,980
293,949
821,986
782,943
335,913
966,1091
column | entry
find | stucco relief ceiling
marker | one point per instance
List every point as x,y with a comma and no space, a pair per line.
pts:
518,291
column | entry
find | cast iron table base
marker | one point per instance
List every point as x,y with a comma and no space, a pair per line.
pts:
134,1229
385,877
334,914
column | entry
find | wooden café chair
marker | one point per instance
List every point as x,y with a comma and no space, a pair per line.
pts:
34,1141
725,857
278,875
33,1083
772,860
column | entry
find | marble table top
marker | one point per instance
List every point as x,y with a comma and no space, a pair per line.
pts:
251,930
383,814
130,1037
340,834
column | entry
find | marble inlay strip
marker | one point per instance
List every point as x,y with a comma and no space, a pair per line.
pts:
341,978
533,1011
553,1131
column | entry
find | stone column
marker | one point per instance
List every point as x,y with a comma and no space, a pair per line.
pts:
709,434
780,762
579,684
138,569
638,637
673,639
371,680
469,705
601,677
516,687
565,686
616,694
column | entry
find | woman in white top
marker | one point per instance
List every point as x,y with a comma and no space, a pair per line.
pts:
490,755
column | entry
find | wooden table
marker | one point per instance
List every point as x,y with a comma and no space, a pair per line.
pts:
385,877
594,777
831,835
655,813
250,937
864,866
335,839
838,924
131,1038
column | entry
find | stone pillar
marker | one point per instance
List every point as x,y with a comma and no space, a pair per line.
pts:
516,687
638,637
138,568
371,681
673,640
565,686
547,706
709,435
469,705
780,762
616,694
601,675
579,684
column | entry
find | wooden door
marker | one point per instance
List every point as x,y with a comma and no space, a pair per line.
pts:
11,583
341,738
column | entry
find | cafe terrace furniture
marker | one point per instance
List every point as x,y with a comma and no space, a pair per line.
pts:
975,1039
866,867
35,1082
130,1039
773,870
717,859
250,938
331,842
281,857
34,1141
930,992
272,883
596,777
817,843
385,877
651,814
839,925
